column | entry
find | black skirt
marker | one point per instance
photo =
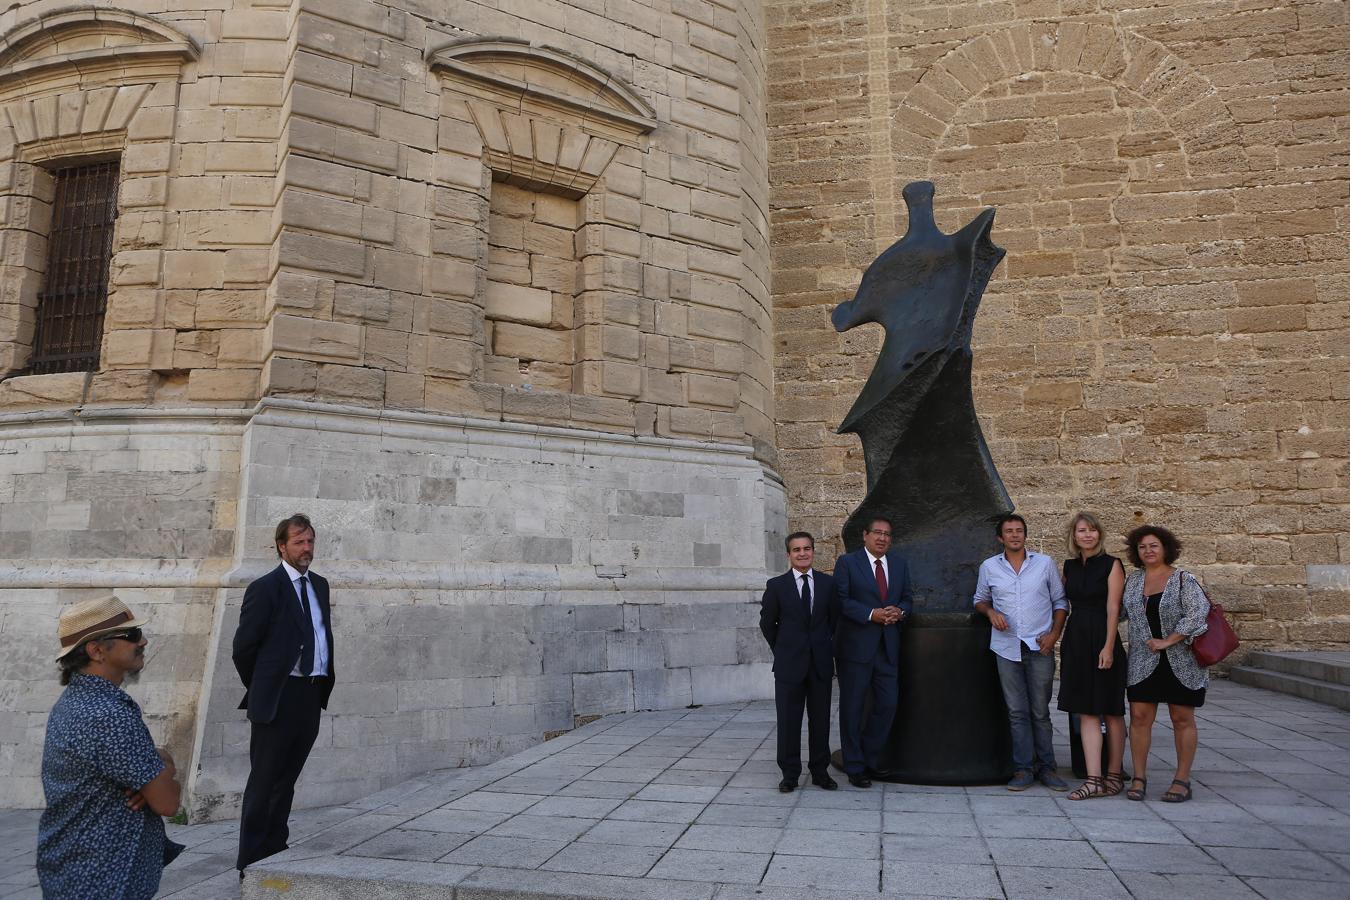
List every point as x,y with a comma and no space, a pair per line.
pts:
1162,687
1084,688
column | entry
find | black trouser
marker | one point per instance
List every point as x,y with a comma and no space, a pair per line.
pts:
277,752
790,697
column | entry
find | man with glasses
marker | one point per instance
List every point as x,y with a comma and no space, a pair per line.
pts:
283,650
874,598
106,783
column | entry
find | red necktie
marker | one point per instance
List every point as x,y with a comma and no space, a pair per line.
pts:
881,582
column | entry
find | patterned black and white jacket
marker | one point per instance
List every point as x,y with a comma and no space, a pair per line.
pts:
1182,610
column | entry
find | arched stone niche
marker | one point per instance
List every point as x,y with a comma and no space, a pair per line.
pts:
526,136
546,119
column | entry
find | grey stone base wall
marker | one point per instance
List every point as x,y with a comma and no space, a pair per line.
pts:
142,502
491,582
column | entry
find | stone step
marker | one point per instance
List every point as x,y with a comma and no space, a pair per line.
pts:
1315,664
1327,692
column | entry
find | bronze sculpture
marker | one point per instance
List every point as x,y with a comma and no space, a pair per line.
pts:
930,472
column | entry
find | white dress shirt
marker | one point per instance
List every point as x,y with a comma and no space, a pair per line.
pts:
805,578
316,616
1027,599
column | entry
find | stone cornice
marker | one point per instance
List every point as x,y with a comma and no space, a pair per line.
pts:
154,48
603,96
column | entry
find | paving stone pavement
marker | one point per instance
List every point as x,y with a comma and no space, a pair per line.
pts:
683,804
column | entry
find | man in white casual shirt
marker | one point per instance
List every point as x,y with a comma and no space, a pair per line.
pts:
1020,592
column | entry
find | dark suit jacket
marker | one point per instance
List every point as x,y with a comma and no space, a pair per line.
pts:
272,629
857,639
800,644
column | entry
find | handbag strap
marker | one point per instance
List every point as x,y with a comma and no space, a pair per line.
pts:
1200,584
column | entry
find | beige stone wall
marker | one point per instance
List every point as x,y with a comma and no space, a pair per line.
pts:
528,276
308,191
438,182
1165,341
192,102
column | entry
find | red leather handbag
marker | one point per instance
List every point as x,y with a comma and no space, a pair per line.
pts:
1219,639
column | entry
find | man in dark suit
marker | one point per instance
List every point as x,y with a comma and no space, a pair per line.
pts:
283,650
874,597
797,615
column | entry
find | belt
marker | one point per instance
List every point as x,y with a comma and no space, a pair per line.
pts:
311,679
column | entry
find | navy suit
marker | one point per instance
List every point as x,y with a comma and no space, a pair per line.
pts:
868,654
803,665
283,710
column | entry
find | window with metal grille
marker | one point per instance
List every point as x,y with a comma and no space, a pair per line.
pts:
75,291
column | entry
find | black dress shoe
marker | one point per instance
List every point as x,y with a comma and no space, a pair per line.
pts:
825,782
860,781
787,785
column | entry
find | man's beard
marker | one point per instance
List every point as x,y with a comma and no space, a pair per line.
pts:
132,676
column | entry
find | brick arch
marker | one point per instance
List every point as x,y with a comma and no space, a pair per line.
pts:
1181,94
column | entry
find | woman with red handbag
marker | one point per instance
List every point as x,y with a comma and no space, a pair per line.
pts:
1166,609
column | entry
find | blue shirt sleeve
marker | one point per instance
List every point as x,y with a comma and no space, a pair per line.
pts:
1056,588
983,592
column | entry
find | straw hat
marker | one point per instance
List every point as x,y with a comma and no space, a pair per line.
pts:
88,619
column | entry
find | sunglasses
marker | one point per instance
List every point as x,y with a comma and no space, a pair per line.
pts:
133,635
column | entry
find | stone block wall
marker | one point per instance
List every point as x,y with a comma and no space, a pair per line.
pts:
436,178
1164,342
490,584
120,500
190,102
531,276
308,191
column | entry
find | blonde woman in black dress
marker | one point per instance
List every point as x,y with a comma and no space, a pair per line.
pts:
1092,658
1166,608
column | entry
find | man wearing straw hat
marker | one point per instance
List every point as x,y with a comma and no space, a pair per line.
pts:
283,650
106,783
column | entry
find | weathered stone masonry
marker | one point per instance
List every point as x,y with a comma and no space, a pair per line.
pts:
1166,341
484,292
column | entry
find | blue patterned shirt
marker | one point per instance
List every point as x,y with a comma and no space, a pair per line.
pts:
89,843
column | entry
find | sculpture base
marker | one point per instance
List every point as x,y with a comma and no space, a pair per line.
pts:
951,726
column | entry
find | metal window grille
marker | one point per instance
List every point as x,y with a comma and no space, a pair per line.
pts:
75,292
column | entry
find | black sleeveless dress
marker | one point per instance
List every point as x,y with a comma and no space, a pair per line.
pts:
1084,688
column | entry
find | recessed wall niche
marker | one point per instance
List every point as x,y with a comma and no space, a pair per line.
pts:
531,286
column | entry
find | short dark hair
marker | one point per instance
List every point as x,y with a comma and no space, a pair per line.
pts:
283,532
76,660
1004,520
798,535
1171,546
875,519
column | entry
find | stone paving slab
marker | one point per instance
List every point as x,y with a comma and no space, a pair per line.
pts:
683,804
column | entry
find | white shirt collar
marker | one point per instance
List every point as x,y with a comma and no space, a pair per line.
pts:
875,558
292,572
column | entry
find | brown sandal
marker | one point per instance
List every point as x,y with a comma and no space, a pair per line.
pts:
1113,783
1137,793
1090,789
1173,796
